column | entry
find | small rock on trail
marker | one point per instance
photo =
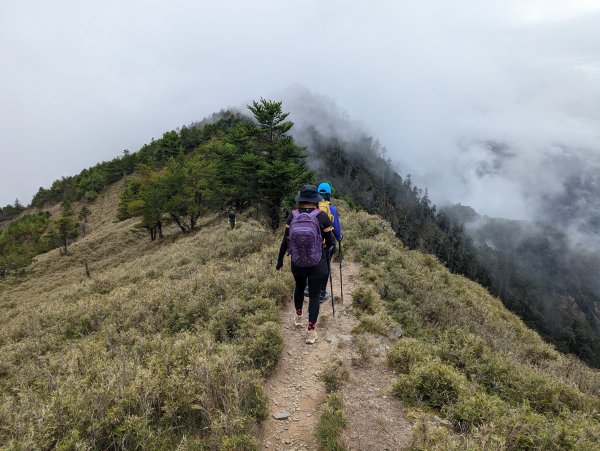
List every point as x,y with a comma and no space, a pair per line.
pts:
281,415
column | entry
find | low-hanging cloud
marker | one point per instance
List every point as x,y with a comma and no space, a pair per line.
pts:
492,104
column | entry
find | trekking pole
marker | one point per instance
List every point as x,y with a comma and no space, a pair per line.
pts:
330,281
341,279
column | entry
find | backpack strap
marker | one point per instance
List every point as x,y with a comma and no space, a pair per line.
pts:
314,214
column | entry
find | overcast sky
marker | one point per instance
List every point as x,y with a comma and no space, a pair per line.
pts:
436,81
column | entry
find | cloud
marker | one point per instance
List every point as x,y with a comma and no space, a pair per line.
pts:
436,82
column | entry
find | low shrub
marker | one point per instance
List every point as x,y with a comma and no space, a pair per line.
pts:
462,349
226,325
474,409
334,376
407,315
364,351
368,226
371,251
277,288
517,384
234,320
407,352
263,346
375,324
102,286
331,423
427,436
365,299
547,394
244,442
430,383
527,430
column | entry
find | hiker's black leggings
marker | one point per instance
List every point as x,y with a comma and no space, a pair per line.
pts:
315,276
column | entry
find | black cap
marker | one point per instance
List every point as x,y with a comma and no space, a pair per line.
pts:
308,193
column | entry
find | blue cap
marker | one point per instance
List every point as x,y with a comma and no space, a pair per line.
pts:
324,188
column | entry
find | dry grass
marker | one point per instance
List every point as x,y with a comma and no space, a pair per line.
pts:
332,417
165,345
332,421
334,376
467,358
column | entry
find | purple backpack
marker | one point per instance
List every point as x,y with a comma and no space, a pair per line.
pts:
305,241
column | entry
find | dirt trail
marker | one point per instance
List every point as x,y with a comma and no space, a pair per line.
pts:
374,418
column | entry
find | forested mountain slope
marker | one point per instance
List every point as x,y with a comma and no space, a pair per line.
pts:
543,276
535,269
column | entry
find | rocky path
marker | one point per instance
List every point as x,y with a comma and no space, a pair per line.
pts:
296,392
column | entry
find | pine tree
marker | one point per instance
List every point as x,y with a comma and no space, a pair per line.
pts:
84,214
64,229
66,208
283,167
187,189
145,196
271,118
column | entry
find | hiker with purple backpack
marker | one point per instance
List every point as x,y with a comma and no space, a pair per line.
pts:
306,228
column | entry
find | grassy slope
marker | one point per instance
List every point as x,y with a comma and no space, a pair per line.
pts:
166,344
465,357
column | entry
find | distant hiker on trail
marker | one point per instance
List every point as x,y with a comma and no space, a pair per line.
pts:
306,228
232,219
325,205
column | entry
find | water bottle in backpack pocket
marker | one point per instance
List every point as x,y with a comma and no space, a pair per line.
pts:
305,241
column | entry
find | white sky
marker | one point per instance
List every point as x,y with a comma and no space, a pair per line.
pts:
81,81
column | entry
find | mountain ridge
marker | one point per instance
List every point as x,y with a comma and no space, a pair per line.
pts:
359,169
149,300
172,340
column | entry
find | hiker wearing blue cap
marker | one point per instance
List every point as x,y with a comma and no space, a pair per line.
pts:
325,205
307,228
324,190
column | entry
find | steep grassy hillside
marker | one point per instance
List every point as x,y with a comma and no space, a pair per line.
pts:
465,358
165,345
168,343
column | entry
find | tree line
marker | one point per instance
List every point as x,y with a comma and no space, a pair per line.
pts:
36,233
228,160
238,163
359,170
553,289
11,211
86,185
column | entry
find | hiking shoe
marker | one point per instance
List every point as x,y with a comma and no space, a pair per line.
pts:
306,291
311,336
324,296
298,321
